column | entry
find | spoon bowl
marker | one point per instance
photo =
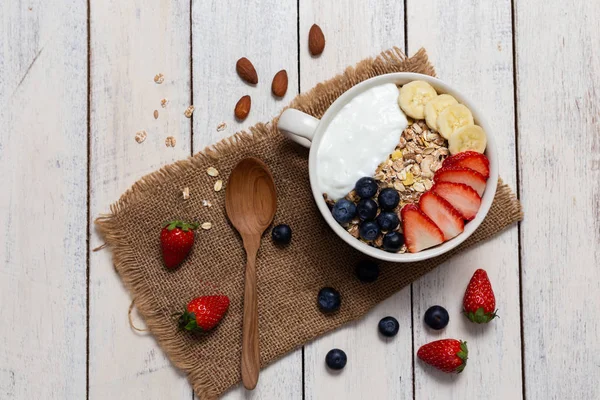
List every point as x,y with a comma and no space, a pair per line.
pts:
250,202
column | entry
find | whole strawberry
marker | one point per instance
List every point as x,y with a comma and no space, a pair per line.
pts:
176,241
479,303
204,313
448,355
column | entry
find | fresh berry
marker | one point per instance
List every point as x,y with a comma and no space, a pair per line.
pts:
367,271
343,211
388,199
448,355
470,159
436,317
420,232
393,241
464,175
389,326
282,234
176,242
464,199
479,303
449,220
388,221
204,313
368,230
329,300
366,187
366,209
336,359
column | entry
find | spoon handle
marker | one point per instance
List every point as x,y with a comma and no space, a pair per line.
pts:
250,352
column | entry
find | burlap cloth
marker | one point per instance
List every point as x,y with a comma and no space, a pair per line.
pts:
288,279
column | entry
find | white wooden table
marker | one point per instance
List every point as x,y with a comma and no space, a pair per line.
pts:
76,83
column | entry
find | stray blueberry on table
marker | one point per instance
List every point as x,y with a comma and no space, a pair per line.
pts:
329,300
436,317
393,241
389,326
343,211
388,221
367,271
388,199
336,359
282,234
365,187
366,209
368,230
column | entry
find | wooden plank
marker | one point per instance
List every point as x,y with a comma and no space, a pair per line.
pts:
43,159
477,60
266,33
377,368
559,154
131,42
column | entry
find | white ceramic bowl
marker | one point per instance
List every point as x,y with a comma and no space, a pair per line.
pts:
308,131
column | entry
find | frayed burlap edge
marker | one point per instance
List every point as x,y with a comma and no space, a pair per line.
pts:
389,61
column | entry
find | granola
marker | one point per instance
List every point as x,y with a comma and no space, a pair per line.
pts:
410,168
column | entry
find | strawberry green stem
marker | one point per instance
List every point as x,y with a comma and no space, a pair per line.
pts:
463,354
187,321
480,316
184,226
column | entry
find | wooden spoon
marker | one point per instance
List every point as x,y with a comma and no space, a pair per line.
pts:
250,201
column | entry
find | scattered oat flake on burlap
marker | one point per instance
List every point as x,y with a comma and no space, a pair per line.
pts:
159,78
206,203
212,171
155,114
164,102
189,111
186,193
221,127
140,136
206,225
170,141
218,185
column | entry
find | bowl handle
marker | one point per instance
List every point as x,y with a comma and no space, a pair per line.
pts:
298,126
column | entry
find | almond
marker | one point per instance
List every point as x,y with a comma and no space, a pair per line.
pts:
280,83
316,40
246,70
242,108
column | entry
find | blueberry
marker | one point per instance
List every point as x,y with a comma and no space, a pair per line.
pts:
329,300
389,326
368,230
343,211
336,359
365,187
367,271
437,317
282,234
393,241
388,221
388,199
366,209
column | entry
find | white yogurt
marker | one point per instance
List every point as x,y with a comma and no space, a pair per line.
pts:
359,138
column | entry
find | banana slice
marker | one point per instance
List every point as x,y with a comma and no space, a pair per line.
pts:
413,97
470,137
452,118
435,107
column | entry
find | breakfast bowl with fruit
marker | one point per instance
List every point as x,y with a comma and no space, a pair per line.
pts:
402,166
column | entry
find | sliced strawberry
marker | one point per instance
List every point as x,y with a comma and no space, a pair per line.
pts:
460,196
464,175
470,159
442,214
420,232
